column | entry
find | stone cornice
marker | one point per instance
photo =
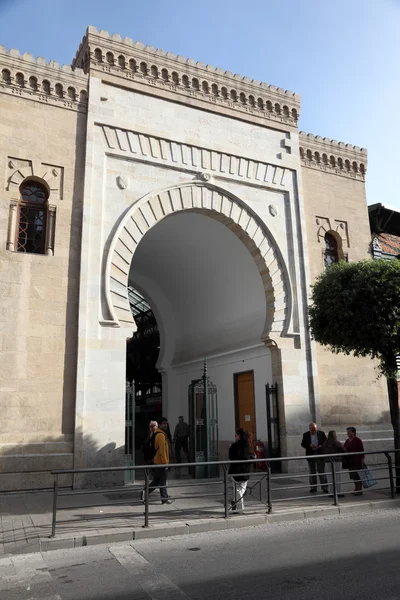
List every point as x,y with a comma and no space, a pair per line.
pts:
157,70
333,157
34,79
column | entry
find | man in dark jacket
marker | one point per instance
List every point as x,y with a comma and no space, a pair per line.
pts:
240,450
312,442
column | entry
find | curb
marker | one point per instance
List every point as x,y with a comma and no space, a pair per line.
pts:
201,526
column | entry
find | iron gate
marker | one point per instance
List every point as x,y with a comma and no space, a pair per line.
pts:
203,422
130,407
273,431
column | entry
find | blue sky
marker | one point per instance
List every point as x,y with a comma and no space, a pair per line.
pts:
342,56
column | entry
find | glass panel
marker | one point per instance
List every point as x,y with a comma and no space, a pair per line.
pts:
31,229
331,254
33,193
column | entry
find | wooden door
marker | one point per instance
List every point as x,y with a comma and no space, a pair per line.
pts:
245,403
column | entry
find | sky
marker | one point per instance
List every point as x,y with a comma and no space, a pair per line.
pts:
342,57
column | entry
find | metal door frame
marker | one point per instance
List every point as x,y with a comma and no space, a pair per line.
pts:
273,425
130,409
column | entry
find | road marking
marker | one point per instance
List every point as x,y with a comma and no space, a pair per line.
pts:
154,583
23,570
53,597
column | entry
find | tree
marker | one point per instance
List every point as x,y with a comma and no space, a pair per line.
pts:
356,310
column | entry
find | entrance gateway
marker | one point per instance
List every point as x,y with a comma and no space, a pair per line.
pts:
201,306
205,227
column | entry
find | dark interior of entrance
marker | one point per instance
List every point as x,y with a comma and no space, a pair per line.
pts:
141,358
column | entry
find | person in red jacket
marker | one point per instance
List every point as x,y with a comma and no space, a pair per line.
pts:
354,463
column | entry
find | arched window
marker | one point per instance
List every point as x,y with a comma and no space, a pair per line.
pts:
32,218
331,254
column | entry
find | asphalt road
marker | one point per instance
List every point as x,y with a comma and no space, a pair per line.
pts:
327,558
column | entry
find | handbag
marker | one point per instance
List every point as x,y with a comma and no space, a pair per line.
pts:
366,477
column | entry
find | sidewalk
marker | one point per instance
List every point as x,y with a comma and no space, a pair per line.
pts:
119,515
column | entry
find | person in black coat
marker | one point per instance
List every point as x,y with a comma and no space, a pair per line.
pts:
313,441
240,450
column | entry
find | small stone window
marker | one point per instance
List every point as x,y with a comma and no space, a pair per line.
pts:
32,220
331,253
33,83
6,76
19,79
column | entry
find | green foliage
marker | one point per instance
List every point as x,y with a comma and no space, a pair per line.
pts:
356,309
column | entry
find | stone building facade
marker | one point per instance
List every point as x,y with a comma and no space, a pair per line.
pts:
138,168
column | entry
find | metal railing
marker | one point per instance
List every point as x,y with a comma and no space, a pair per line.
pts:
263,476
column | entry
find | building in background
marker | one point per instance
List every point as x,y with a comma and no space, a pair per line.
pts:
385,231
156,211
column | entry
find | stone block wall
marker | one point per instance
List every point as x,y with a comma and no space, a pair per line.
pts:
350,389
42,136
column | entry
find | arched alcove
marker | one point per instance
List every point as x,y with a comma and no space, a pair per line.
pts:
214,202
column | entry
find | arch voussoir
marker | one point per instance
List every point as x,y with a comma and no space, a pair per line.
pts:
213,202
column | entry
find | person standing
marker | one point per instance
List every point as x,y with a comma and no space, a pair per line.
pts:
161,457
354,463
181,438
312,442
239,450
333,446
148,445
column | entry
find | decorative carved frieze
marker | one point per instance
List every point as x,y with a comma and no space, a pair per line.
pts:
326,224
195,82
332,156
19,169
25,77
193,158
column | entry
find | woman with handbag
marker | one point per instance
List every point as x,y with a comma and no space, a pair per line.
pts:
333,446
354,463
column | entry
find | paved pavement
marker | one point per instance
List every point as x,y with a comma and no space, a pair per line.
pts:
329,558
117,516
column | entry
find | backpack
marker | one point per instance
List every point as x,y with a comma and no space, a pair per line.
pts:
148,448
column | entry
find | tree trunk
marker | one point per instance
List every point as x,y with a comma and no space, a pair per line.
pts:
393,390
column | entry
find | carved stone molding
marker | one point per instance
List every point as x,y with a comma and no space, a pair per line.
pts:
218,204
333,157
34,79
122,182
19,169
326,224
185,156
191,82
50,230
12,226
201,176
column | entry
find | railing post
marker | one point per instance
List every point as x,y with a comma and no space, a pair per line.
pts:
269,491
146,498
226,490
55,491
334,483
391,478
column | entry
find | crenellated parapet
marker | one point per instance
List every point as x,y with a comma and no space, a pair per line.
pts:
34,79
332,157
194,83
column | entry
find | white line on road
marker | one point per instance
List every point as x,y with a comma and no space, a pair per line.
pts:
154,583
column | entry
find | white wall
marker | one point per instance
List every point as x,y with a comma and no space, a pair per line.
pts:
210,280
221,371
